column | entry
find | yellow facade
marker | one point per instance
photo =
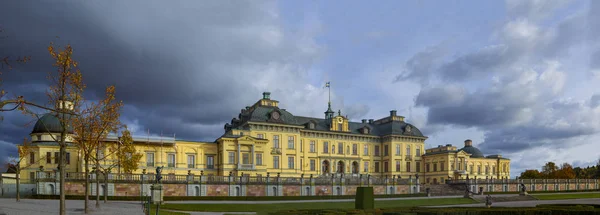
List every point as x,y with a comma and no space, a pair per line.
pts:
265,139
445,162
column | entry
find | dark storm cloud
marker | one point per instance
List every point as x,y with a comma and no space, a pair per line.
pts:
180,67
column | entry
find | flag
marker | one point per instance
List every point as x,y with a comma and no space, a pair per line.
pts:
327,84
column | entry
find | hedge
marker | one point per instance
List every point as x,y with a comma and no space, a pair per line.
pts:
543,210
226,198
549,191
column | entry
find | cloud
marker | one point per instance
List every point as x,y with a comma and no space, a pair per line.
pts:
180,68
514,89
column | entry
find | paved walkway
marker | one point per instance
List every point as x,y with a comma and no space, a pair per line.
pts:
303,201
75,207
528,203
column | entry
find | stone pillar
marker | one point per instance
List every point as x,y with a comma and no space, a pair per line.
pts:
237,159
253,158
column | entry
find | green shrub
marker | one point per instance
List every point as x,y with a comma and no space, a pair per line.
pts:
364,198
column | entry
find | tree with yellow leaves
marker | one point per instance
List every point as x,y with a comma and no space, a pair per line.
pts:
19,163
91,126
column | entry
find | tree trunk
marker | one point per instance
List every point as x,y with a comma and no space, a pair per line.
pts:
18,181
61,164
97,184
105,187
87,183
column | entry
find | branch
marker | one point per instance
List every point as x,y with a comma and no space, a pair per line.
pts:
19,102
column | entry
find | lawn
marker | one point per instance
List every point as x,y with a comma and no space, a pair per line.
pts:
567,196
266,208
163,212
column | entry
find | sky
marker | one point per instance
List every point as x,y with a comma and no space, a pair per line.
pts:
517,77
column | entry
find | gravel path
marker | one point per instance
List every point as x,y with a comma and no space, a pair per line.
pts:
38,206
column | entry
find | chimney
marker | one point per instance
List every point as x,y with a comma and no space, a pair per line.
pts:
370,121
247,107
364,121
393,113
468,143
267,95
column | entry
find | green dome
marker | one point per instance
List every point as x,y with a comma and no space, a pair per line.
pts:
475,153
49,123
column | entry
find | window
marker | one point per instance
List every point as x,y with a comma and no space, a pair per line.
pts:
276,141
291,142
260,136
386,166
56,157
418,154
452,166
171,160
290,162
191,161
408,166
301,145
276,162
340,148
340,126
149,159
397,149
479,170
427,167
493,169
386,150
376,150
258,159
231,157
417,166
333,148
355,149
397,166
312,165
376,166
325,147
68,158
435,167
407,150
210,162
312,146
487,170
301,164
245,158
366,150
442,164
366,167
472,169
39,137
31,157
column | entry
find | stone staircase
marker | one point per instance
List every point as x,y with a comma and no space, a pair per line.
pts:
445,189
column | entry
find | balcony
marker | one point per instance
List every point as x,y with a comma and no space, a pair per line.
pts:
275,151
408,157
245,167
170,165
210,166
150,164
191,166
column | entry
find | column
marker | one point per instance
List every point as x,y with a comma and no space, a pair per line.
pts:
238,156
252,156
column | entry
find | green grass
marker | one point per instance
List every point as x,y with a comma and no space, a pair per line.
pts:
266,208
567,196
163,212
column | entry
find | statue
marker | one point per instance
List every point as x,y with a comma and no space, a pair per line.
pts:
158,174
523,188
488,201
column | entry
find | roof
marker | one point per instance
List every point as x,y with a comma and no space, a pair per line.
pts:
263,114
475,152
49,123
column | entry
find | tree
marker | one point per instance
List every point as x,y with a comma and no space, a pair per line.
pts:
66,92
565,172
531,174
127,156
549,170
24,152
91,127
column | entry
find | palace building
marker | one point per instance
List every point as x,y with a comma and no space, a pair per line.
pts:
267,139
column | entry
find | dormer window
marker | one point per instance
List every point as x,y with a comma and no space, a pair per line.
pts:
275,115
365,130
311,125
